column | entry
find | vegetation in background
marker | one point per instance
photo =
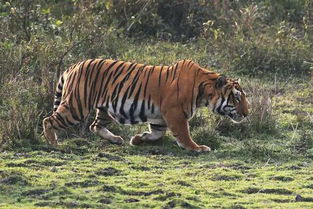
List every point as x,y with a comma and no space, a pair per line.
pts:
263,162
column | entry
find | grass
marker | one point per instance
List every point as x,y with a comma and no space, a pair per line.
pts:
151,177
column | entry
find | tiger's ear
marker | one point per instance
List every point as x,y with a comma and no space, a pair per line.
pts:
220,82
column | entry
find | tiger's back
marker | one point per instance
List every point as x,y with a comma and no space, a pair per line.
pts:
132,93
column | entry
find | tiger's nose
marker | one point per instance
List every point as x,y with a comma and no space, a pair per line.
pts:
245,114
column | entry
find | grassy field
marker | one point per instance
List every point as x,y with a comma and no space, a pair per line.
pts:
271,168
150,177
265,162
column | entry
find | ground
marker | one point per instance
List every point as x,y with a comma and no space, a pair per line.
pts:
150,176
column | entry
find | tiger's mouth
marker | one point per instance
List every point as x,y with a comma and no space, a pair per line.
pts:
236,118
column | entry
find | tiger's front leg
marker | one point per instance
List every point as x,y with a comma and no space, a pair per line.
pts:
156,132
99,127
178,124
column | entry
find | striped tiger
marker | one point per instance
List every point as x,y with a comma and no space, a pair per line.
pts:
131,93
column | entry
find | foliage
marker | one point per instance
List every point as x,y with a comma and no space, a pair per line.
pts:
21,110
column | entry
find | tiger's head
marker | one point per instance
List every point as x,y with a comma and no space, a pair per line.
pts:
230,99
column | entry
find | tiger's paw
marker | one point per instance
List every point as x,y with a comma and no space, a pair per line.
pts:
136,140
52,141
117,140
203,148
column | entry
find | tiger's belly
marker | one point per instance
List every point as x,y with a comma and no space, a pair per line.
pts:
132,112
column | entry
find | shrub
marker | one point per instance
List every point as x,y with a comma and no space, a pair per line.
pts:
281,53
21,109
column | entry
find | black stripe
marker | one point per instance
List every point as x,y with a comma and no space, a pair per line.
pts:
193,86
59,126
137,97
60,86
50,121
148,79
192,63
158,125
107,100
142,115
58,95
122,104
134,106
87,71
59,120
77,91
118,68
220,106
145,72
93,83
72,110
114,98
133,85
167,73
97,66
73,114
70,81
93,90
104,89
174,72
116,93
118,72
57,102
131,68
117,90
109,67
160,76
149,101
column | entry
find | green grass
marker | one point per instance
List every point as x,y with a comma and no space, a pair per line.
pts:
151,176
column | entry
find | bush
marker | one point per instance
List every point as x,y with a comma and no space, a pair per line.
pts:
21,110
279,53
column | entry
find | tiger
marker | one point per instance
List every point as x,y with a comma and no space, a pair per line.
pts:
165,97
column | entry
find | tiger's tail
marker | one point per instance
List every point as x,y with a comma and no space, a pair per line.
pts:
58,93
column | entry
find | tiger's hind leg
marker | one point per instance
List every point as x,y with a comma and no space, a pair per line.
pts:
98,127
156,132
61,119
